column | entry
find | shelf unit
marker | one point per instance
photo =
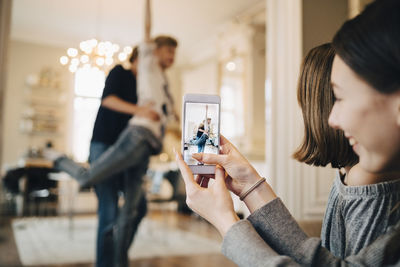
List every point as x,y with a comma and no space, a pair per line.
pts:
43,117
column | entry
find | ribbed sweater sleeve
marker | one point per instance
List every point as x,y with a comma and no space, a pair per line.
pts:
271,237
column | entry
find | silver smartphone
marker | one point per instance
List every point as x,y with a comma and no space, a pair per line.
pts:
200,129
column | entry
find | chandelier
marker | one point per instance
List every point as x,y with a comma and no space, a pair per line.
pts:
94,54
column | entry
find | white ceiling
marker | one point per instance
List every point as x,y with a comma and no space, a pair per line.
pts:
67,22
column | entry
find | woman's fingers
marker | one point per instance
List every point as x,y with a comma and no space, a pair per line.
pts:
220,159
186,172
220,175
210,158
197,178
223,140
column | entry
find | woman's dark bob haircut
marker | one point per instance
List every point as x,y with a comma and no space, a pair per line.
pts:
321,144
370,45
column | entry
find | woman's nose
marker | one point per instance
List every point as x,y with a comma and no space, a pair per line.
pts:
332,120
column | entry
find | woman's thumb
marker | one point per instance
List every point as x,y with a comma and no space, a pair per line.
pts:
220,175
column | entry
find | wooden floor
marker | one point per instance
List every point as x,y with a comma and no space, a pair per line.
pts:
9,255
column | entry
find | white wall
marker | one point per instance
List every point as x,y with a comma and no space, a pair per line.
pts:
25,59
175,85
202,78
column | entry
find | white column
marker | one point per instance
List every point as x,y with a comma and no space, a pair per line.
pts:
304,189
5,25
283,116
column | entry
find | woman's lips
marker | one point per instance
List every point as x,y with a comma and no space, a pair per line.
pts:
353,143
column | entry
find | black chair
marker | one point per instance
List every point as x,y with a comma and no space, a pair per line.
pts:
39,193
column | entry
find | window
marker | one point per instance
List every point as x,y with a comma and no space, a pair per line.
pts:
89,84
232,106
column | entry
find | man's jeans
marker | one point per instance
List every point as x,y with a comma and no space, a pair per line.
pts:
201,142
134,145
117,227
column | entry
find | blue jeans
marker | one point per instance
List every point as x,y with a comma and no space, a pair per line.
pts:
134,146
117,226
201,142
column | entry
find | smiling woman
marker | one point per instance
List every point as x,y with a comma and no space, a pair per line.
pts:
358,109
366,77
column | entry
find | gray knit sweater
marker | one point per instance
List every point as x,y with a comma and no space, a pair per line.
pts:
357,215
271,237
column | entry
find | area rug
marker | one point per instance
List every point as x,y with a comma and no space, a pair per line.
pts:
44,241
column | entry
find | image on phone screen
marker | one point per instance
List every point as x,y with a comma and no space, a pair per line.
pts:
201,130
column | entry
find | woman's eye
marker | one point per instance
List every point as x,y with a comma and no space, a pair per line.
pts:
336,99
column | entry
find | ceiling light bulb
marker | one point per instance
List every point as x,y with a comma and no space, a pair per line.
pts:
115,48
93,42
102,46
100,61
93,53
64,60
109,61
83,45
109,54
108,45
122,56
84,59
72,52
231,66
101,50
88,50
75,61
127,49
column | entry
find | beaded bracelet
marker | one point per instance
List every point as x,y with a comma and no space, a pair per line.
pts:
254,186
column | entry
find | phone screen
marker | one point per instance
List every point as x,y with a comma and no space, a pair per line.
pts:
201,133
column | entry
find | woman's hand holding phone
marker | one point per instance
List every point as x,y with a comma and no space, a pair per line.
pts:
240,174
214,202
239,177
